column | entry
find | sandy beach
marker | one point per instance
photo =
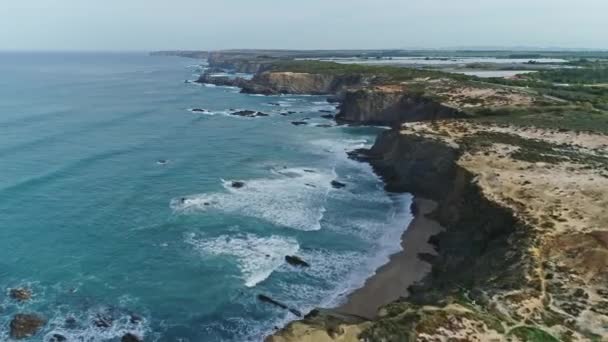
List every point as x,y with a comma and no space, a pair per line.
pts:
391,281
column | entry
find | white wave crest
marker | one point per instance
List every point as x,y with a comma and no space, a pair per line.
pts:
294,198
257,256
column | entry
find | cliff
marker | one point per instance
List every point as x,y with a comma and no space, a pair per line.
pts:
390,105
275,82
249,64
515,262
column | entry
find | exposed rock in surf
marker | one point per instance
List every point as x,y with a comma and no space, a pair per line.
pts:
323,125
135,318
337,185
414,208
265,299
71,323
25,325
162,161
58,338
298,123
198,110
296,261
103,321
328,116
130,338
21,294
237,184
248,113
325,111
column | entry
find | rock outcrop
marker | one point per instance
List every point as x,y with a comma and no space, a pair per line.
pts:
238,63
390,105
274,82
25,325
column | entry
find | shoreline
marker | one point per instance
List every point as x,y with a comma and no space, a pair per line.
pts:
404,268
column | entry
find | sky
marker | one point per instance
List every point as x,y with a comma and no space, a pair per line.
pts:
300,24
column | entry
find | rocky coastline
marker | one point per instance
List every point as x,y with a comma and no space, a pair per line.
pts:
495,273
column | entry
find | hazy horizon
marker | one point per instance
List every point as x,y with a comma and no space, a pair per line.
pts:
138,25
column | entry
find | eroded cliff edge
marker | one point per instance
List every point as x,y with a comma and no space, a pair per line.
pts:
517,260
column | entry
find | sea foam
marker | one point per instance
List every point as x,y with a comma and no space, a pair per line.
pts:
294,198
257,257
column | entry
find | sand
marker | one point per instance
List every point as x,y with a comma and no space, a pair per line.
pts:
390,282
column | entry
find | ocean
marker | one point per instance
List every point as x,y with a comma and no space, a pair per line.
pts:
116,201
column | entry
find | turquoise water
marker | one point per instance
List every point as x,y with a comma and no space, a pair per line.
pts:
95,225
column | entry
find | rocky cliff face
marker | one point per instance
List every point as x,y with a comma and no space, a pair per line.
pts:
513,263
300,83
241,64
390,105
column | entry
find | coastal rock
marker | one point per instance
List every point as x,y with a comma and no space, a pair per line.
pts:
248,113
272,83
130,338
265,299
337,185
25,325
58,338
328,116
296,261
241,63
222,81
20,294
390,106
198,110
299,123
237,184
102,321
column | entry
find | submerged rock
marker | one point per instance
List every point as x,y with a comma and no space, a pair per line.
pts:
237,184
337,185
21,294
296,261
298,123
58,338
266,299
130,338
328,116
25,325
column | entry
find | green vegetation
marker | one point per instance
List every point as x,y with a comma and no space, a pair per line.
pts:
567,117
532,334
585,73
533,151
389,73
